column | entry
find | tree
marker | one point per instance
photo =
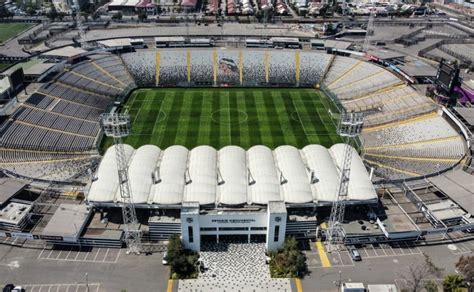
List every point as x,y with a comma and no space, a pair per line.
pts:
95,16
142,16
465,266
53,13
431,286
5,13
182,261
453,283
288,262
31,9
117,16
414,275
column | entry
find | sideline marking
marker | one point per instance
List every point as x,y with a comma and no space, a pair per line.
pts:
322,255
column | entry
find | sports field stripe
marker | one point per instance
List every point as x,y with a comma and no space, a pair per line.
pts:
224,137
169,135
215,128
141,121
285,121
265,127
298,130
328,137
184,118
310,119
146,116
255,136
272,113
244,137
203,136
234,118
160,126
194,119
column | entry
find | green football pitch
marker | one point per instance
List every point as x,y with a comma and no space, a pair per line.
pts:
220,117
8,30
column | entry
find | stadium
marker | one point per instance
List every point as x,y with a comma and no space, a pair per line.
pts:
232,143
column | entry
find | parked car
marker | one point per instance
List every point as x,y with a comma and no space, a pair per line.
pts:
355,255
164,261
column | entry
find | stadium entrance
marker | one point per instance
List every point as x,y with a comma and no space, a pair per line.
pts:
262,224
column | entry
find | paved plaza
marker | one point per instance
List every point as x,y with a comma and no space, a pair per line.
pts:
234,267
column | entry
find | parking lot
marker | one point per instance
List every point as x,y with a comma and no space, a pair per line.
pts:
461,248
342,258
81,254
76,287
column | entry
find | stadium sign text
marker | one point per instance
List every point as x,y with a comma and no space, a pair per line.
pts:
225,221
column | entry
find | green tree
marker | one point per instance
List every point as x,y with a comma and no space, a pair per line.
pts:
453,283
31,9
182,261
53,13
431,286
142,16
117,16
288,262
95,16
5,13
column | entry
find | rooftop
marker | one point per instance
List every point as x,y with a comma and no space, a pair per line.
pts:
459,186
9,187
38,69
68,221
13,213
66,52
125,42
467,113
231,175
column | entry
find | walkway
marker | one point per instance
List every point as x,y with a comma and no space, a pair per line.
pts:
234,267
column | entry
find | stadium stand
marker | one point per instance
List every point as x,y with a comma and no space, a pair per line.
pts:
142,66
282,68
403,136
415,147
54,133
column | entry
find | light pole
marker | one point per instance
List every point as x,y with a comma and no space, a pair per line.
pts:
87,282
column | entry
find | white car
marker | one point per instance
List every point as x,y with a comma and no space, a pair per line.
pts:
164,261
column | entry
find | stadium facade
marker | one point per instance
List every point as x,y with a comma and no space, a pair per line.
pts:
54,136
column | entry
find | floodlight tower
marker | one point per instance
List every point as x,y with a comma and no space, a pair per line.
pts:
80,27
117,126
370,28
350,126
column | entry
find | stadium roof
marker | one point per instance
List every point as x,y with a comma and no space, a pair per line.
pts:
231,175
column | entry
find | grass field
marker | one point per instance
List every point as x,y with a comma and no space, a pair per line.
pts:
8,30
3,66
220,117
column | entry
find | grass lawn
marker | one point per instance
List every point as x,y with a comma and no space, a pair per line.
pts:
3,66
8,30
220,117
